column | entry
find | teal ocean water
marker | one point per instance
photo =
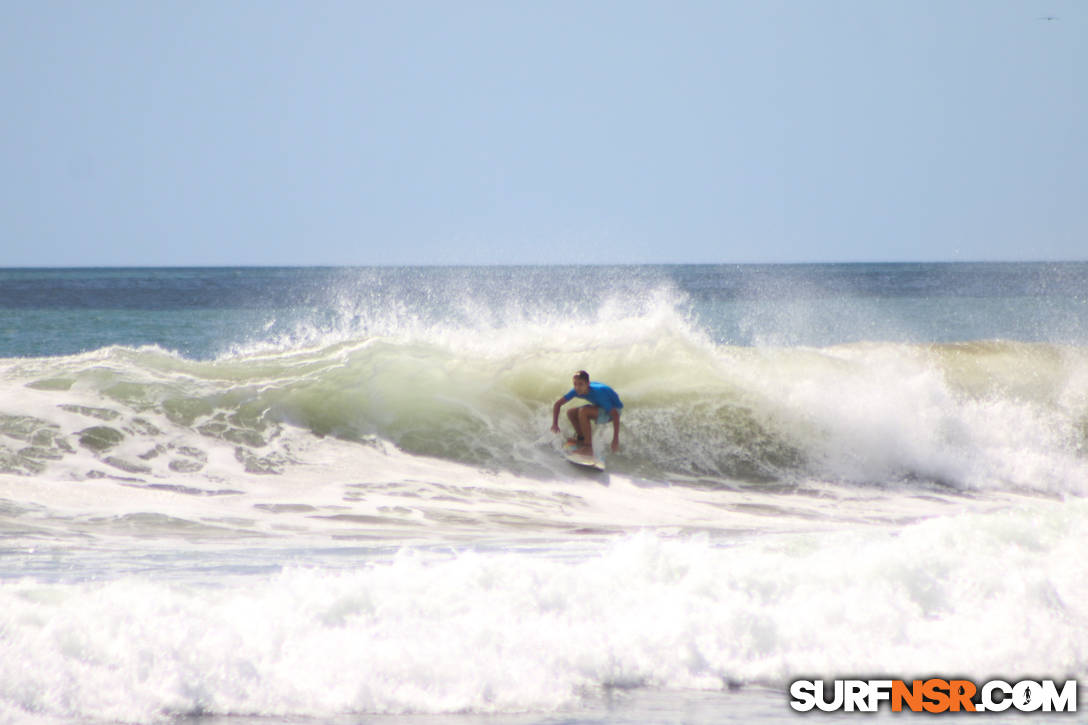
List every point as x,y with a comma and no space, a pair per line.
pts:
271,495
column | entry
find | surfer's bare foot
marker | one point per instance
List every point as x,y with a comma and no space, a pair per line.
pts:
585,451
575,441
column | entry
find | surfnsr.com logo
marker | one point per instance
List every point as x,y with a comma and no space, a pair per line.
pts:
934,695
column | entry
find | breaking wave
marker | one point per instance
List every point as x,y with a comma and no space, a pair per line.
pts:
978,415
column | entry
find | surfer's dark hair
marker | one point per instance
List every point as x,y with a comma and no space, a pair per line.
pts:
582,375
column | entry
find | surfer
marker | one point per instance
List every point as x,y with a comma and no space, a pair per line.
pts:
604,405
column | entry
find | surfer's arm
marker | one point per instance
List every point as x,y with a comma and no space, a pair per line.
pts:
555,413
615,430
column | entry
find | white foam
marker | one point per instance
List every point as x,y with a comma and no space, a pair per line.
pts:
876,412
503,631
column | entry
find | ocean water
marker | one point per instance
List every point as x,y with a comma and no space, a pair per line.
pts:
272,496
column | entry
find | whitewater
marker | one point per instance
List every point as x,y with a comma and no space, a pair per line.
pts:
310,495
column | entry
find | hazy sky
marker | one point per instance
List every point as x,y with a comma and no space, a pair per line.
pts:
267,132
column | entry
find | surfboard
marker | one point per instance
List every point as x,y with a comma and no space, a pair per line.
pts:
581,459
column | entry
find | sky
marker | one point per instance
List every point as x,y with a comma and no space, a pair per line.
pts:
315,132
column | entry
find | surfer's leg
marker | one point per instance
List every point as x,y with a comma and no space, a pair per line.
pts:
573,416
586,415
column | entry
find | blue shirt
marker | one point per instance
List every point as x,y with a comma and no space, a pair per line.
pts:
600,395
